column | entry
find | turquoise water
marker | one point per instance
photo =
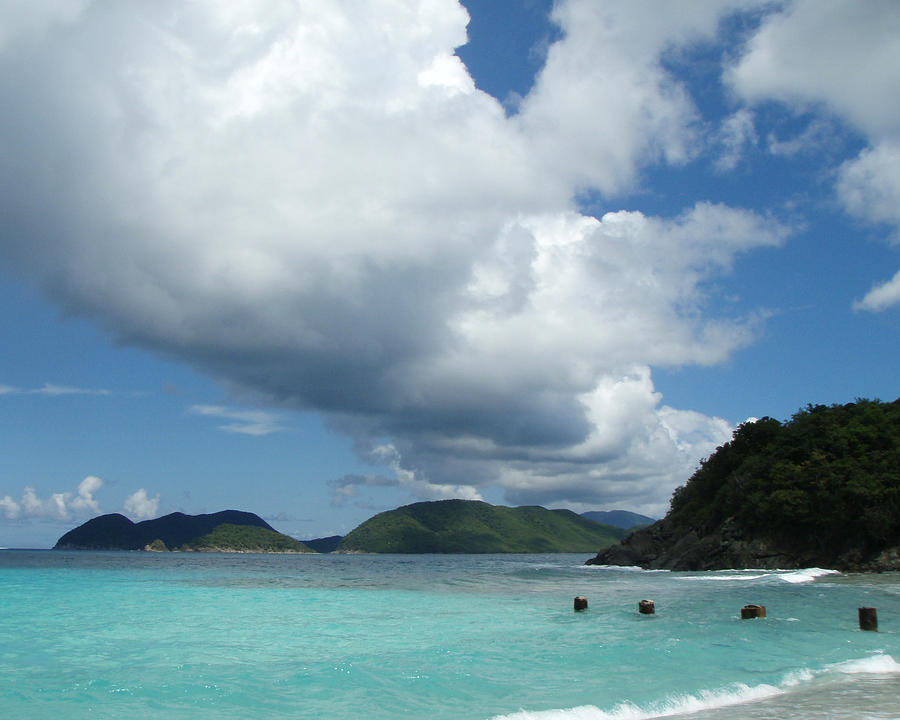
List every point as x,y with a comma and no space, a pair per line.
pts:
125,635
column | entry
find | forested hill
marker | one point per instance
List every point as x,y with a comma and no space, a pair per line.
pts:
470,526
228,530
820,490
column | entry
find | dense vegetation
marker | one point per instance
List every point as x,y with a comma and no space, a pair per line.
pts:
831,476
822,488
245,538
325,544
468,526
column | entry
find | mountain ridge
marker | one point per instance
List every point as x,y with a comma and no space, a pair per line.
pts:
624,519
473,526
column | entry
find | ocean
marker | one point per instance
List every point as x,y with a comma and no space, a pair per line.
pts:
444,637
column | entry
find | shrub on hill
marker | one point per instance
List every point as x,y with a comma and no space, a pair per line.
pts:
245,538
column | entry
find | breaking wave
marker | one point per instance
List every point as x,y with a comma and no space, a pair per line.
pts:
737,694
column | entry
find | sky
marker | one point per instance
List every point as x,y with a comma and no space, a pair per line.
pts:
318,260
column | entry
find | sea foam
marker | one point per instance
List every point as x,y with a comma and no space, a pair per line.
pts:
878,664
806,575
678,705
738,694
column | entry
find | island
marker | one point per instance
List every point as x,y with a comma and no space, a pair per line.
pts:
473,526
821,490
225,531
624,519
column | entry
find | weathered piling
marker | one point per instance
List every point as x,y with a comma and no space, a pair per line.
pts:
753,611
580,603
868,619
646,607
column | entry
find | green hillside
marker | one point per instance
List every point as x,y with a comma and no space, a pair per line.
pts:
468,526
245,538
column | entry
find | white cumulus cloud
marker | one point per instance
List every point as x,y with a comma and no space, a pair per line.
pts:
140,506
869,185
56,506
881,296
313,203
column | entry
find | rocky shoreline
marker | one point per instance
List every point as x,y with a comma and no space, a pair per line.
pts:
662,546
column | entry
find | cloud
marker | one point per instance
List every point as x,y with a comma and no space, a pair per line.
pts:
11,509
840,61
869,185
55,390
603,105
819,136
52,390
842,56
84,501
315,204
346,487
737,131
138,506
58,506
881,296
246,422
634,453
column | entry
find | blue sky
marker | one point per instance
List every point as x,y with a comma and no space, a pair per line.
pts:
318,263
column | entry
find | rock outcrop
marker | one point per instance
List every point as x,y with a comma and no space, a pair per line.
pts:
663,546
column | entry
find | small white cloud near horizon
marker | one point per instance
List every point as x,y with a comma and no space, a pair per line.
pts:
58,506
139,506
84,501
881,296
10,508
244,422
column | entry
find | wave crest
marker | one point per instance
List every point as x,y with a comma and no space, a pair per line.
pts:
737,694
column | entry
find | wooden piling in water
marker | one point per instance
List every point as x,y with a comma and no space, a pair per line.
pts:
753,611
868,619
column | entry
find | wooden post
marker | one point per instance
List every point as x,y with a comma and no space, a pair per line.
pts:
753,611
868,619
580,603
646,607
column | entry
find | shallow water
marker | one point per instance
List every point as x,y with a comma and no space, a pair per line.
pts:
87,635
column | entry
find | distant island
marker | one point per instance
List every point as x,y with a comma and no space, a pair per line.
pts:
820,490
325,544
618,518
226,531
442,526
472,526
